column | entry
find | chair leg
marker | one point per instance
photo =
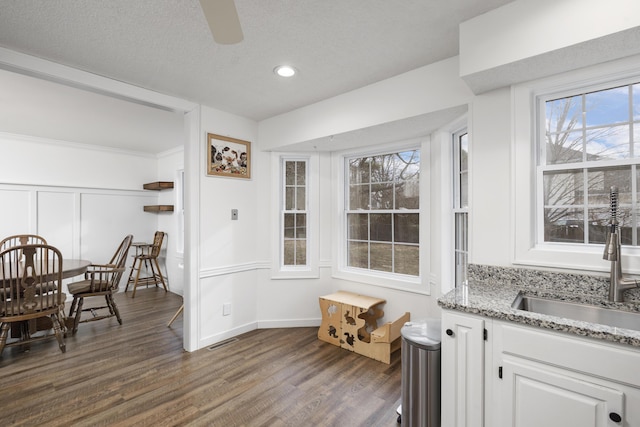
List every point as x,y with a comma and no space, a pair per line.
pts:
4,331
135,283
175,316
76,319
57,328
131,278
113,307
73,306
159,274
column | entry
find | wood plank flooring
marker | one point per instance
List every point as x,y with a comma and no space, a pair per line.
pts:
138,374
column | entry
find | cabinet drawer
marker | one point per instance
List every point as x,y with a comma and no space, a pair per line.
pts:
583,355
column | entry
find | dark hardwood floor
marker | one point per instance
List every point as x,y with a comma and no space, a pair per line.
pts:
138,374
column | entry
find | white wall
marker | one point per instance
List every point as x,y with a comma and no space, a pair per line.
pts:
229,250
50,188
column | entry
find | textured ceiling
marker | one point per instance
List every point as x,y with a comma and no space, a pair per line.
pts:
166,46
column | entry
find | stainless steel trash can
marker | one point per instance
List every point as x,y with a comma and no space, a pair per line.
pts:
421,373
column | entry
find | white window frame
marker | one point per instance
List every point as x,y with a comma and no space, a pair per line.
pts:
340,269
311,269
526,191
455,202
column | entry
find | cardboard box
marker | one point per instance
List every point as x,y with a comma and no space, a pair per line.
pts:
350,321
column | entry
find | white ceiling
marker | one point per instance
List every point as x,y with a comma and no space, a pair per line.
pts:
166,46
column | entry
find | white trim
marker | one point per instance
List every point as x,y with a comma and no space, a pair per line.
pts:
51,71
525,250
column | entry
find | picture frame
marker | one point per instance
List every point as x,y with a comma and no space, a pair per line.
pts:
228,156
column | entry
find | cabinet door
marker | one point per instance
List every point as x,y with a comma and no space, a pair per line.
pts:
462,370
536,396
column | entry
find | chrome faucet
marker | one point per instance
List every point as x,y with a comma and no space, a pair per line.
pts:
617,283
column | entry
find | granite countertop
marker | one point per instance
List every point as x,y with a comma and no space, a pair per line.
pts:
491,291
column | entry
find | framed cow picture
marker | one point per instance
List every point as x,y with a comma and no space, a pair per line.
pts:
228,156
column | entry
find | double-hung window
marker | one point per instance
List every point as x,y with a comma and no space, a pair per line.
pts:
461,204
588,141
294,213
381,215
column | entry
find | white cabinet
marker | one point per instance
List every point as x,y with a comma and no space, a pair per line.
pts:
524,376
552,379
463,357
537,395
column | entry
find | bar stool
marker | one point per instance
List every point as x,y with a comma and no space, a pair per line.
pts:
147,255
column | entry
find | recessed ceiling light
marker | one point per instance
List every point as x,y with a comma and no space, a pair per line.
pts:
285,71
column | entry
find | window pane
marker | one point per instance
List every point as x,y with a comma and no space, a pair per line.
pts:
563,188
564,147
608,143
461,232
359,196
464,190
289,225
607,106
564,225
598,224
406,228
461,267
563,114
290,173
359,170
382,196
464,152
380,230
289,198
289,252
407,259
358,227
636,101
301,175
636,139
301,200
408,194
358,254
601,181
301,252
382,168
301,226
381,257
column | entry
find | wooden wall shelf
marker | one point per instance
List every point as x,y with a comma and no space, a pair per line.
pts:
159,185
158,208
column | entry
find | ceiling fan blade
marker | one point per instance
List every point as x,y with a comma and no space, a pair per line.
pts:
222,17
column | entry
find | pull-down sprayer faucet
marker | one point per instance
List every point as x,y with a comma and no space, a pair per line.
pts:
617,283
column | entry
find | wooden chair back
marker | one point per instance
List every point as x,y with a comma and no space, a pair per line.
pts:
31,288
20,240
106,277
158,237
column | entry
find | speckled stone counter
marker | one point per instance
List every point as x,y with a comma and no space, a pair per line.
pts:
491,291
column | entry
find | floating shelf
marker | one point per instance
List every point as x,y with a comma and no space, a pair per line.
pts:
158,208
159,185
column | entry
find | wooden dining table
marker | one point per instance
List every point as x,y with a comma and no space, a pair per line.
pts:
74,267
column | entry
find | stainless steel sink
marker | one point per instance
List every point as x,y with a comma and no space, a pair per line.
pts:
576,311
